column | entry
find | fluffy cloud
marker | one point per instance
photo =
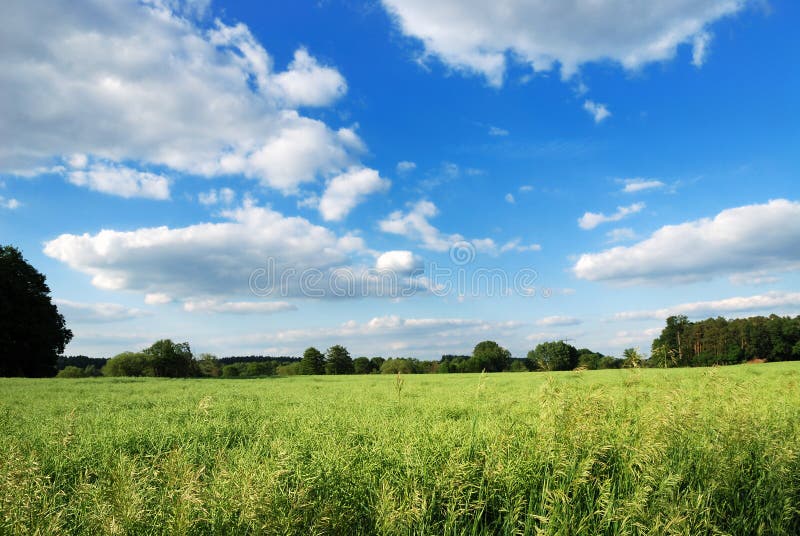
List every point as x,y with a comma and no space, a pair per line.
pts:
478,36
414,224
638,184
398,261
497,131
96,312
139,83
737,240
347,190
206,259
623,234
406,166
238,307
590,220
598,111
770,301
558,321
224,196
510,198
121,181
9,203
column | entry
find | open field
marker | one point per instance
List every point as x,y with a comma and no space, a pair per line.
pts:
683,451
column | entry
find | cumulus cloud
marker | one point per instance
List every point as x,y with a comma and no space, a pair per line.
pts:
81,312
138,83
414,224
769,301
406,166
737,240
121,181
206,259
598,111
347,190
157,298
590,220
9,203
633,186
224,196
622,234
398,261
510,198
558,321
237,307
480,37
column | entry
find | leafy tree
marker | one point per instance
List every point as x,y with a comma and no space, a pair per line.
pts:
490,356
632,358
127,364
32,332
376,363
313,362
518,365
170,359
209,365
338,360
553,356
71,371
289,369
234,370
362,365
260,368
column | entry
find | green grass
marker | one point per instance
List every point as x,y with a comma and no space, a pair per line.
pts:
683,451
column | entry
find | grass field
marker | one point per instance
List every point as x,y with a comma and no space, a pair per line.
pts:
681,451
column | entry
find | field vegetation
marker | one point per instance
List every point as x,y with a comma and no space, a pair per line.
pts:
635,451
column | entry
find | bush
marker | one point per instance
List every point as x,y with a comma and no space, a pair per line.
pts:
71,372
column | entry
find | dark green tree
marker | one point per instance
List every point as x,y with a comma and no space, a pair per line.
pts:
362,365
313,362
209,365
553,356
376,363
128,364
32,332
338,360
490,356
170,359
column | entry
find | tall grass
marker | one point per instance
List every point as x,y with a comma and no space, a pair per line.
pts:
689,451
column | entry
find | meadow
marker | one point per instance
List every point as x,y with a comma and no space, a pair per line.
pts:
650,451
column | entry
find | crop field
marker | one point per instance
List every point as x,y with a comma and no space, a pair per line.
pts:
677,451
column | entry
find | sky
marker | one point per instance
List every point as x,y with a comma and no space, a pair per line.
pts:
403,177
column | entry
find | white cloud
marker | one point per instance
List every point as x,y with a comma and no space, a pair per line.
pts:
737,240
237,307
347,190
414,224
306,83
623,234
121,181
770,301
526,188
700,45
406,166
558,321
224,196
9,203
157,298
634,338
134,82
510,198
640,184
207,259
80,312
590,220
479,37
398,261
497,131
598,111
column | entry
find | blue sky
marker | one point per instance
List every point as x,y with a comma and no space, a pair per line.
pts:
158,156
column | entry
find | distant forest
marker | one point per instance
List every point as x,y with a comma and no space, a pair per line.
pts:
682,343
